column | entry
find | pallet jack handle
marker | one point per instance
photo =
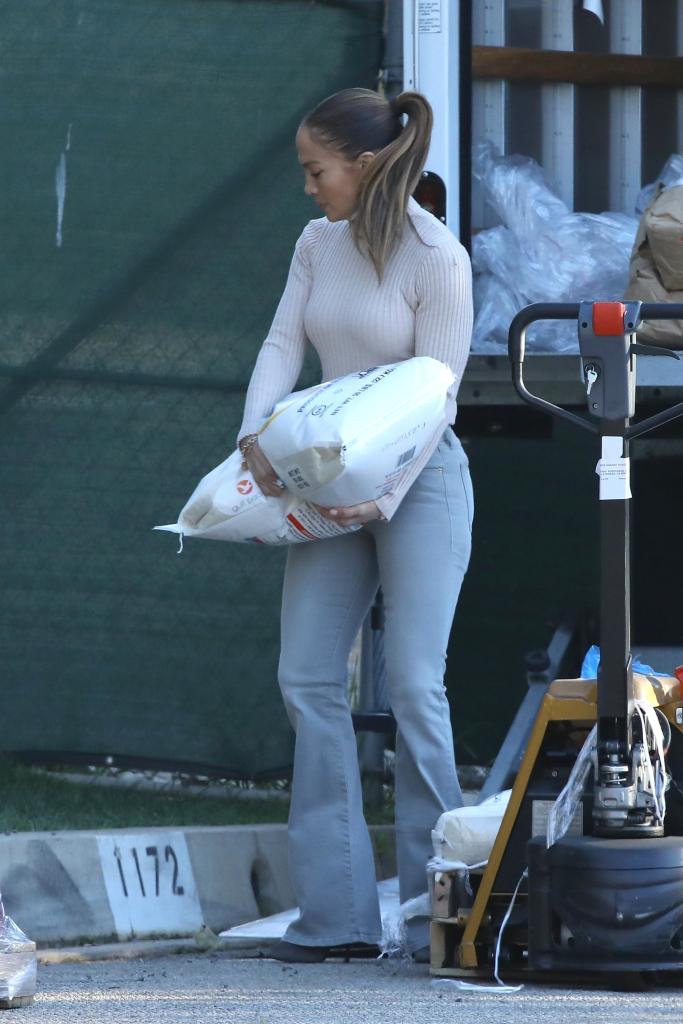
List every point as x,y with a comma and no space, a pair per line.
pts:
607,333
516,350
634,314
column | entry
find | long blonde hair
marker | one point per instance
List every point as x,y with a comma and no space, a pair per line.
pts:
356,121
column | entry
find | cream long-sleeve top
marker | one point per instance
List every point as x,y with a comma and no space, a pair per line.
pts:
334,300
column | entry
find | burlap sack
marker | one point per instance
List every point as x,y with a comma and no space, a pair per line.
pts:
656,269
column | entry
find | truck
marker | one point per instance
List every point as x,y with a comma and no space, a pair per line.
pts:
593,93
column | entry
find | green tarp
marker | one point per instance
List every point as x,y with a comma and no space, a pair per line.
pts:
151,201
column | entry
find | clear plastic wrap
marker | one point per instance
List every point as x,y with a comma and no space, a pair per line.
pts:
655,778
670,175
18,964
394,935
542,252
565,807
394,939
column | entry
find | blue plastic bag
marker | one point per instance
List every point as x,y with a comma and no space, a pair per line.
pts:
591,663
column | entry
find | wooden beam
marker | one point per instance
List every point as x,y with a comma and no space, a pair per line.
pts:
517,64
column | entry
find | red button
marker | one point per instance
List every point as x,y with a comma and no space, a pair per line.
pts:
608,318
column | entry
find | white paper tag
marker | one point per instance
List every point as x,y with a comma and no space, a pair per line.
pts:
429,17
540,811
614,471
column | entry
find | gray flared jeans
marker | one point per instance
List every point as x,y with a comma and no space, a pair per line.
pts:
419,558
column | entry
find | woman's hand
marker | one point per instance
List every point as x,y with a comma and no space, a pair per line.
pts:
351,515
263,473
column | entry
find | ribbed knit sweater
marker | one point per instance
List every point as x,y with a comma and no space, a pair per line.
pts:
334,300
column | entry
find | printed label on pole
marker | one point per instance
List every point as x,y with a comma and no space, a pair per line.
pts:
614,471
429,16
150,884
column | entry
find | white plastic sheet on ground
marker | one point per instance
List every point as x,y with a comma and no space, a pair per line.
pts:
270,929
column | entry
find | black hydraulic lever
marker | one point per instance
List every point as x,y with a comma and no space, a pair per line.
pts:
652,350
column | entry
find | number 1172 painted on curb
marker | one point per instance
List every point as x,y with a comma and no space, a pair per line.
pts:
153,853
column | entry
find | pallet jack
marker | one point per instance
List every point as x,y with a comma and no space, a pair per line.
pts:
608,895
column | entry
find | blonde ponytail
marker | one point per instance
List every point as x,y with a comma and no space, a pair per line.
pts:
356,121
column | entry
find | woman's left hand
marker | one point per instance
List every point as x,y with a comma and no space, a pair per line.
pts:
351,515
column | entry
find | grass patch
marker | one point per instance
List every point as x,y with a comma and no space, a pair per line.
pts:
41,801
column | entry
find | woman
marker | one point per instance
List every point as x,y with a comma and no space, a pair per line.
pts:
376,280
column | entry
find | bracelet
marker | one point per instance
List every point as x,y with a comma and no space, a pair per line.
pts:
246,443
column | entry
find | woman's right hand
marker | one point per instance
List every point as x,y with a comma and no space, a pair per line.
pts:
263,473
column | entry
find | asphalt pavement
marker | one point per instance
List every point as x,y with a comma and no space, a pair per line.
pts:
217,986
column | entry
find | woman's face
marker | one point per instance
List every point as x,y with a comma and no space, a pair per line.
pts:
331,179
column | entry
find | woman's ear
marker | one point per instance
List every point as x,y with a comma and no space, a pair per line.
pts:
364,159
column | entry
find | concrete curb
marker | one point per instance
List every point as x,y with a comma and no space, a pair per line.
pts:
116,951
118,885
144,949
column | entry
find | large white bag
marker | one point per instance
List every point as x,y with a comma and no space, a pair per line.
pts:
348,440
468,833
354,438
227,504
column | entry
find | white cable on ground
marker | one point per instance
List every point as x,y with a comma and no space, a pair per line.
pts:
500,988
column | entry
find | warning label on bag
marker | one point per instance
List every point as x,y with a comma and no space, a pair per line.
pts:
306,523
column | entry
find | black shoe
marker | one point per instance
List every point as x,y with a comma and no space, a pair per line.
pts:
291,953
354,951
